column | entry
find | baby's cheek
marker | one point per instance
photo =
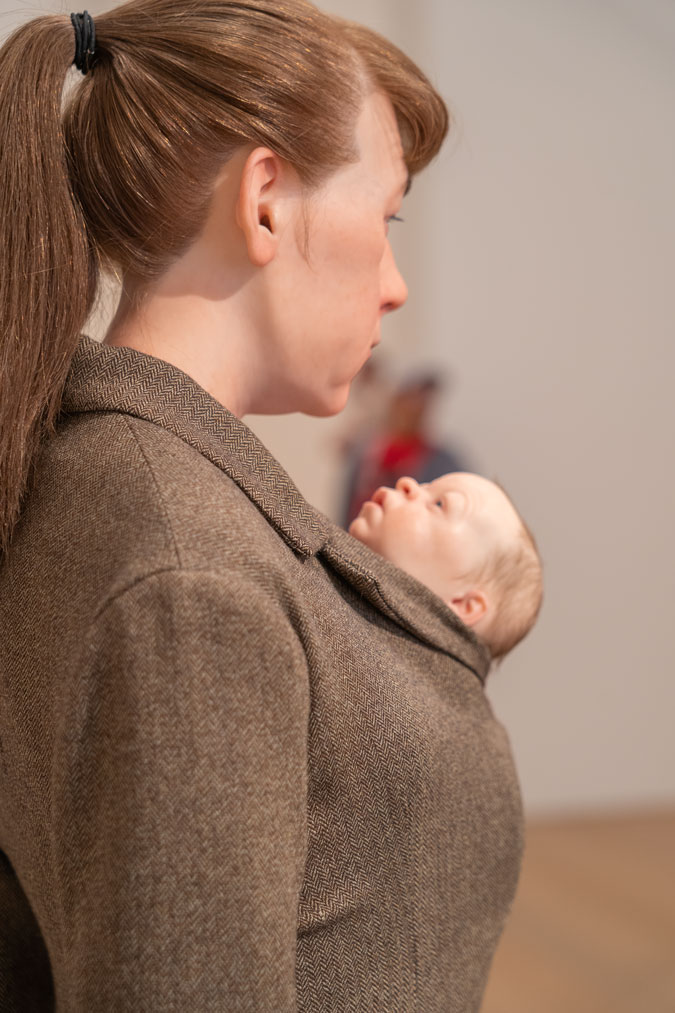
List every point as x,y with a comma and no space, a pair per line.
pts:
396,550
411,551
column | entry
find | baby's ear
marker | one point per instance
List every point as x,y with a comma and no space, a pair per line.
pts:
470,607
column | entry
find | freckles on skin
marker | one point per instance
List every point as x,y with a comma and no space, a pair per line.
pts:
346,247
357,250
339,292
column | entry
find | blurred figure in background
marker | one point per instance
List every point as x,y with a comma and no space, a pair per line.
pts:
396,442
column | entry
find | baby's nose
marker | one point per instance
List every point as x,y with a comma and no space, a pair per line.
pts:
408,486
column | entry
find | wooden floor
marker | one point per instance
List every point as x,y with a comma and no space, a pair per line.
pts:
592,929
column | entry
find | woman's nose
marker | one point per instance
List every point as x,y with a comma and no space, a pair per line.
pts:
408,486
394,288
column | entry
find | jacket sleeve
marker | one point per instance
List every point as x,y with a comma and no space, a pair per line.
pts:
180,777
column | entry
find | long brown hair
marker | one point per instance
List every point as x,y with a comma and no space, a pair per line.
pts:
116,173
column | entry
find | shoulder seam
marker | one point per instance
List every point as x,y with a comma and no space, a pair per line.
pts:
179,571
160,571
130,586
127,422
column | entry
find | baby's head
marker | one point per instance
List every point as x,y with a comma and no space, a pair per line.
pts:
462,537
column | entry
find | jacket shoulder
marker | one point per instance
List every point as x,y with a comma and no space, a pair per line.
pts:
117,498
211,520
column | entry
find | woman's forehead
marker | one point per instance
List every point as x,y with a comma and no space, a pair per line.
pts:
380,141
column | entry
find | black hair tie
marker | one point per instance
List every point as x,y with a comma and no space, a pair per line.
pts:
85,40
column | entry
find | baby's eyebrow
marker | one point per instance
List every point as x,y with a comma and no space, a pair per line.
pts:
428,488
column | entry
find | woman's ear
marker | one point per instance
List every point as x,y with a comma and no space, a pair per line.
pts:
257,206
470,607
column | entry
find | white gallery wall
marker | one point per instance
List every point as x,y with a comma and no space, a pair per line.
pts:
539,250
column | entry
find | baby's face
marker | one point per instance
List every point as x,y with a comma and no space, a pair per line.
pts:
440,532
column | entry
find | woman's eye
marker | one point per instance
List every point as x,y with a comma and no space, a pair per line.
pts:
395,218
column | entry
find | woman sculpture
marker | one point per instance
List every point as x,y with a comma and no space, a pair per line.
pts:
246,764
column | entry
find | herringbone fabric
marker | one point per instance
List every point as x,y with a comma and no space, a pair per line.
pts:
247,764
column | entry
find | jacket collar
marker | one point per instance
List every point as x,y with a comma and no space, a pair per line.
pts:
120,379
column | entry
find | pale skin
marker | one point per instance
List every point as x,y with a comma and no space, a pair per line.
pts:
266,332
246,316
442,533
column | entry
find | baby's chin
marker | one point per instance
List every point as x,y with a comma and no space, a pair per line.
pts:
359,529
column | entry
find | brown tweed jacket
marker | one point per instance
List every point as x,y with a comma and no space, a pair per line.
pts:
246,764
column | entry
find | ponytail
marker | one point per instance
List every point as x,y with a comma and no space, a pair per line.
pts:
119,178
48,267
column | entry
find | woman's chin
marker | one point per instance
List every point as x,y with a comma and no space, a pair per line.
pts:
322,404
324,407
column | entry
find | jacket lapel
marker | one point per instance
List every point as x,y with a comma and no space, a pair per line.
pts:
120,379
409,603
